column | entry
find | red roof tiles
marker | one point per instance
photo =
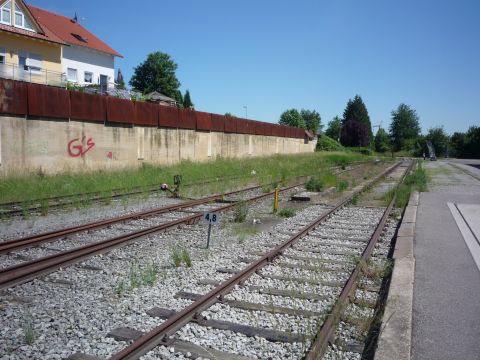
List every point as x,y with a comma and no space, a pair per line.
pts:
68,31
47,36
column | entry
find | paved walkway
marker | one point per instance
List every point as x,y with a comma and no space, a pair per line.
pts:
446,303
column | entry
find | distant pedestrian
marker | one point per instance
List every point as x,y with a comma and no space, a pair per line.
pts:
424,156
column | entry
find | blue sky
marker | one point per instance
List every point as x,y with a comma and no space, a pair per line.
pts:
314,54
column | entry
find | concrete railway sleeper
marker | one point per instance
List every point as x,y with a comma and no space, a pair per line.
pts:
235,294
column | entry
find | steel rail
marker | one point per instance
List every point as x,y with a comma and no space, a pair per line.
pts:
328,328
161,334
37,239
29,270
96,195
21,243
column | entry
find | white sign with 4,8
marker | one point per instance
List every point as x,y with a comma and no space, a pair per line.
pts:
211,218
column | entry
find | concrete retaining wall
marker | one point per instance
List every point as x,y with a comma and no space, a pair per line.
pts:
53,146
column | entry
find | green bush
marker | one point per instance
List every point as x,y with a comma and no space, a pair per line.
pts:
326,143
315,184
287,212
362,150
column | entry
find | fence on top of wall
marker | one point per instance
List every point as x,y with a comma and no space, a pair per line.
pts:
42,101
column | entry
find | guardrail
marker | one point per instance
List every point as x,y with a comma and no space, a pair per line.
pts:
25,73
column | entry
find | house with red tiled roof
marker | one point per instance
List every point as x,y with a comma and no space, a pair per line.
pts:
41,46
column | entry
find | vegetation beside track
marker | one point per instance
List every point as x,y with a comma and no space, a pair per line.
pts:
261,170
416,181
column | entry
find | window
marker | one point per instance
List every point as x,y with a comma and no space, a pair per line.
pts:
30,62
34,62
2,55
22,60
79,37
21,20
6,12
72,74
88,78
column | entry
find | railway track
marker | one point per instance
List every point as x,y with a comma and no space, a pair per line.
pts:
276,286
267,282
15,208
37,239
36,205
174,215
24,268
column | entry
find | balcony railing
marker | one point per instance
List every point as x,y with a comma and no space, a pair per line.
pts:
24,73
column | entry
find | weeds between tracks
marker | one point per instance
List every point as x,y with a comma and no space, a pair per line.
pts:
416,181
28,187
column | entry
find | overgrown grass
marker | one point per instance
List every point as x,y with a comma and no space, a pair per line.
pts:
416,181
342,185
180,255
287,212
280,168
29,334
137,276
321,181
240,212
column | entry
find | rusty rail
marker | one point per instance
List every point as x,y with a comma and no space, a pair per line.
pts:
29,270
17,244
327,330
161,334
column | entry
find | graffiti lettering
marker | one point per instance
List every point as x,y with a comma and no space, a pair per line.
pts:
77,148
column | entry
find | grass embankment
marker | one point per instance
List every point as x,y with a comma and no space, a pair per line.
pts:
416,181
237,172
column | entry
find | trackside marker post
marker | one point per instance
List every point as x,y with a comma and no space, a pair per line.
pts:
275,201
210,218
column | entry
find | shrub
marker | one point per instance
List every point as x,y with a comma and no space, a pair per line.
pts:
326,143
287,212
315,184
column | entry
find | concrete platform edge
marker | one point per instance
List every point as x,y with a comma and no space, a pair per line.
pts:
395,339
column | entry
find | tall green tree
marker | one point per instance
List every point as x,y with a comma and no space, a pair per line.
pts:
157,73
292,117
473,142
354,133
382,141
439,140
333,129
405,127
356,110
466,145
312,120
187,102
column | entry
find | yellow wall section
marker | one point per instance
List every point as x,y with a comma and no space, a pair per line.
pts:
13,44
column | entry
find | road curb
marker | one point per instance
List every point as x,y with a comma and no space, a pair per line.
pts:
395,338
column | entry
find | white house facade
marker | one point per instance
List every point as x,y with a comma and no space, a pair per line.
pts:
85,66
85,59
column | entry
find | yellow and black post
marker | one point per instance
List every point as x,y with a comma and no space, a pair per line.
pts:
275,201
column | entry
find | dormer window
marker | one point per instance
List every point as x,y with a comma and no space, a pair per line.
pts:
21,20
79,37
6,13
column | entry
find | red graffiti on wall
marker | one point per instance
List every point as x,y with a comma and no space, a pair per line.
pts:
78,148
